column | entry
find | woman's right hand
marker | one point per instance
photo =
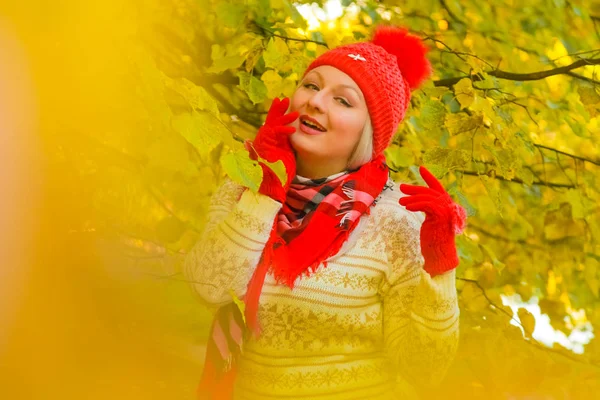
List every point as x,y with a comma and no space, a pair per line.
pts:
272,143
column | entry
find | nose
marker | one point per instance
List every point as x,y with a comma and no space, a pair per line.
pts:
317,101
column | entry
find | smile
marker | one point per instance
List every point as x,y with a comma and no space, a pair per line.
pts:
312,125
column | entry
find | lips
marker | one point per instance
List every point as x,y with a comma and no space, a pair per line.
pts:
311,123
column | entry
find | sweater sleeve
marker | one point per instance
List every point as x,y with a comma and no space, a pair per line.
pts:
420,313
238,227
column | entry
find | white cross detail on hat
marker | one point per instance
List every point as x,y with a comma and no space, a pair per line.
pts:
356,57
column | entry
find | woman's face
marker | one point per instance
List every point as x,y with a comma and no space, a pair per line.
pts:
333,113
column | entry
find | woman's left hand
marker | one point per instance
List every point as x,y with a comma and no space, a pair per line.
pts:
443,220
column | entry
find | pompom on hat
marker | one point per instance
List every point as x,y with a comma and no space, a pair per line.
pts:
386,69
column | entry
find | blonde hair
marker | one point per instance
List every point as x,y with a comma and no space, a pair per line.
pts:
363,152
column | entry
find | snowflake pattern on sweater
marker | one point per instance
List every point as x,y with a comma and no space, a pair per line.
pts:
371,324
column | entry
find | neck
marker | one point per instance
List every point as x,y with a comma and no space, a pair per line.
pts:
315,169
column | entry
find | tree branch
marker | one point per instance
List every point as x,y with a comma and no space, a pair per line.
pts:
230,109
450,50
521,241
532,76
450,13
505,239
531,340
461,53
162,205
583,78
524,107
287,38
567,154
517,180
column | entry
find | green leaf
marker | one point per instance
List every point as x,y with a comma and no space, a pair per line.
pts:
446,159
244,79
506,160
254,87
432,114
203,130
277,53
222,61
197,97
436,92
278,168
460,122
401,156
464,92
241,169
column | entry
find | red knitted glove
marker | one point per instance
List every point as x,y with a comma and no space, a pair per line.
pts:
272,143
443,220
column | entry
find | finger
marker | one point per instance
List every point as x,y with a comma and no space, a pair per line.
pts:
282,106
285,103
285,130
422,207
413,189
431,180
417,199
288,118
273,110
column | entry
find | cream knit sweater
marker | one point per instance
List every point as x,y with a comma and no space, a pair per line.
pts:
372,324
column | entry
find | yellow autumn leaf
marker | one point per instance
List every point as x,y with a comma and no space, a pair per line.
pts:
464,92
239,303
277,53
278,168
274,83
527,321
460,123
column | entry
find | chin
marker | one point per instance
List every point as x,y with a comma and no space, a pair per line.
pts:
304,144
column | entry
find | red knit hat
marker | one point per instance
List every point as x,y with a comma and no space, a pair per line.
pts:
386,69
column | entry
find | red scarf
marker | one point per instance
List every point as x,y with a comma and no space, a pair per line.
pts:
317,215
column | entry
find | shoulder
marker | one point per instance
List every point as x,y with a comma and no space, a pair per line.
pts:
400,231
387,209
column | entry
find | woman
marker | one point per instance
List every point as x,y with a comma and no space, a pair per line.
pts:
348,294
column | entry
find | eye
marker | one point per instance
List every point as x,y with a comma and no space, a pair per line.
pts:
343,102
311,86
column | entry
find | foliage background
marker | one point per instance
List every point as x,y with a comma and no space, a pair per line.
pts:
139,110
